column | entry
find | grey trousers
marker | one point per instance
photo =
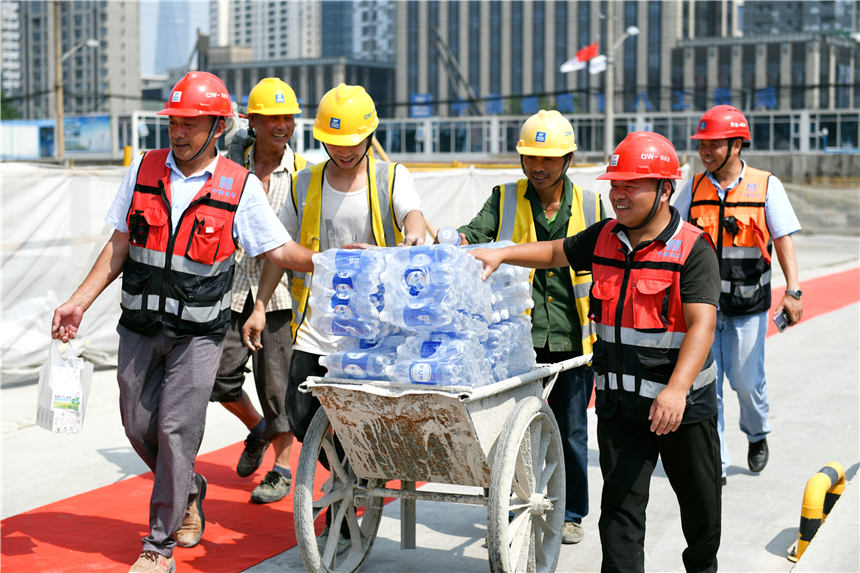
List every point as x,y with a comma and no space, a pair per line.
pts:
164,388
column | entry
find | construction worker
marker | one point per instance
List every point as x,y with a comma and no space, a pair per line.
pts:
654,296
747,214
264,151
350,198
544,206
177,217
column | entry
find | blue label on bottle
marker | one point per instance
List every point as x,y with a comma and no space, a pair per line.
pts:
421,373
346,259
416,280
429,348
416,316
342,283
355,364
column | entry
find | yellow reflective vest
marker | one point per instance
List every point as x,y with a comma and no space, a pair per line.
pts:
516,223
307,200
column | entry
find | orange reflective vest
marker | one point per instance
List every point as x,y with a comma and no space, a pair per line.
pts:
636,304
180,279
738,228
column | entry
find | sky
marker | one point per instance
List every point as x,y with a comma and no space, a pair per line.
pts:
177,53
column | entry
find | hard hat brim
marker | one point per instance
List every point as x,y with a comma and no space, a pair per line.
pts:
285,111
548,152
188,113
345,140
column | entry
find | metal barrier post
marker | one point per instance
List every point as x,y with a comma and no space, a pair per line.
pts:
821,492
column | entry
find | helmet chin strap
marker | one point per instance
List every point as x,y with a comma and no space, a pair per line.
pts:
567,159
653,207
208,139
366,150
729,144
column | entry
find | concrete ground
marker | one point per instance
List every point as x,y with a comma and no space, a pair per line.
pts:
813,386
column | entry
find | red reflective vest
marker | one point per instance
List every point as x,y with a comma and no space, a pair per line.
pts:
180,279
738,228
636,303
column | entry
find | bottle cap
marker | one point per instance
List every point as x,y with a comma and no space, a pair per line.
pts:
448,235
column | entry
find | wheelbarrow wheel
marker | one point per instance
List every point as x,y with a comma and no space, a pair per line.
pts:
342,496
527,495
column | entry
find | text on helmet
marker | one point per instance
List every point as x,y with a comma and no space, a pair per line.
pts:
665,158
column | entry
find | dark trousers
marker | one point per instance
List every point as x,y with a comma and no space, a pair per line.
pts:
569,403
301,407
691,459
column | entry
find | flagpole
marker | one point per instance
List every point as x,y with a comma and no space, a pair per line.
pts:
609,91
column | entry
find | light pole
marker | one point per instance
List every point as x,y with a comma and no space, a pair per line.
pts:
609,92
59,58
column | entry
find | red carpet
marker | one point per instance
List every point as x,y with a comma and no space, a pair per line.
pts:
99,530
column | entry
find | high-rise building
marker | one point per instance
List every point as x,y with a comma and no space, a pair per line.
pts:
174,36
783,17
302,29
103,79
10,48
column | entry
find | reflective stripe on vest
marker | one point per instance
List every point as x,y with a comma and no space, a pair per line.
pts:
516,223
636,302
180,279
738,228
307,199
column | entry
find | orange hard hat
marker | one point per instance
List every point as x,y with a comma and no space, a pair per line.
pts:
643,155
198,93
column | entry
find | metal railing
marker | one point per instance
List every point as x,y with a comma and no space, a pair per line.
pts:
495,137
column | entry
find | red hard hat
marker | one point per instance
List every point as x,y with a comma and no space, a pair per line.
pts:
723,122
643,155
198,93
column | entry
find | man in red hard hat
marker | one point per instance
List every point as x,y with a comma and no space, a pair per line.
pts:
654,296
748,215
177,217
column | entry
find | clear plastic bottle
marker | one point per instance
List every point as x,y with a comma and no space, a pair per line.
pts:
373,364
447,235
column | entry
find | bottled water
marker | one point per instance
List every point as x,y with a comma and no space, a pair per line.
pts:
442,358
509,347
447,235
371,364
346,294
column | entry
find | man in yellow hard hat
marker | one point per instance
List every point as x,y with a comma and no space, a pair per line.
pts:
265,151
544,206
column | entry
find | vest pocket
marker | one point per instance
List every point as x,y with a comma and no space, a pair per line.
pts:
205,239
601,298
710,225
651,304
147,228
657,362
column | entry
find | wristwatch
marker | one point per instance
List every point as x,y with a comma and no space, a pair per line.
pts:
795,293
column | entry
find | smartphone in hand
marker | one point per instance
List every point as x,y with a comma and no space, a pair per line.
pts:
781,320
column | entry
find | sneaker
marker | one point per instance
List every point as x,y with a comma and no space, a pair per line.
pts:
572,533
757,455
724,481
342,544
274,487
189,534
152,562
252,456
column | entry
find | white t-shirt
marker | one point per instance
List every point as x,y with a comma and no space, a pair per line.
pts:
255,225
345,218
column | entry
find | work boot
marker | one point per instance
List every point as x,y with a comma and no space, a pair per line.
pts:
252,456
189,534
572,533
152,562
274,487
757,455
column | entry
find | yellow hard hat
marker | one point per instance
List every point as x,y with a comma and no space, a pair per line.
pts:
547,134
346,116
273,96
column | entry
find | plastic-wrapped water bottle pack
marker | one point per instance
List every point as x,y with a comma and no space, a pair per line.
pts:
421,315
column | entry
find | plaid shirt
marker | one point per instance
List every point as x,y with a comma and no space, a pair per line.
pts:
248,269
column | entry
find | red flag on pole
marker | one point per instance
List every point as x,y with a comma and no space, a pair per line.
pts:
587,52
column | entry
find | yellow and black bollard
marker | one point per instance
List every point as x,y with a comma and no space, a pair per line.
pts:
822,491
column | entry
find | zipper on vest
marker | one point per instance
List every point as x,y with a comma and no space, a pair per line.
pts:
619,310
171,238
720,231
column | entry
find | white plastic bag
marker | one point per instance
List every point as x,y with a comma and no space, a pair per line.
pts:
64,387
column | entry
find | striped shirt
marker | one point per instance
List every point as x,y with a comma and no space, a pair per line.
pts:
249,269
